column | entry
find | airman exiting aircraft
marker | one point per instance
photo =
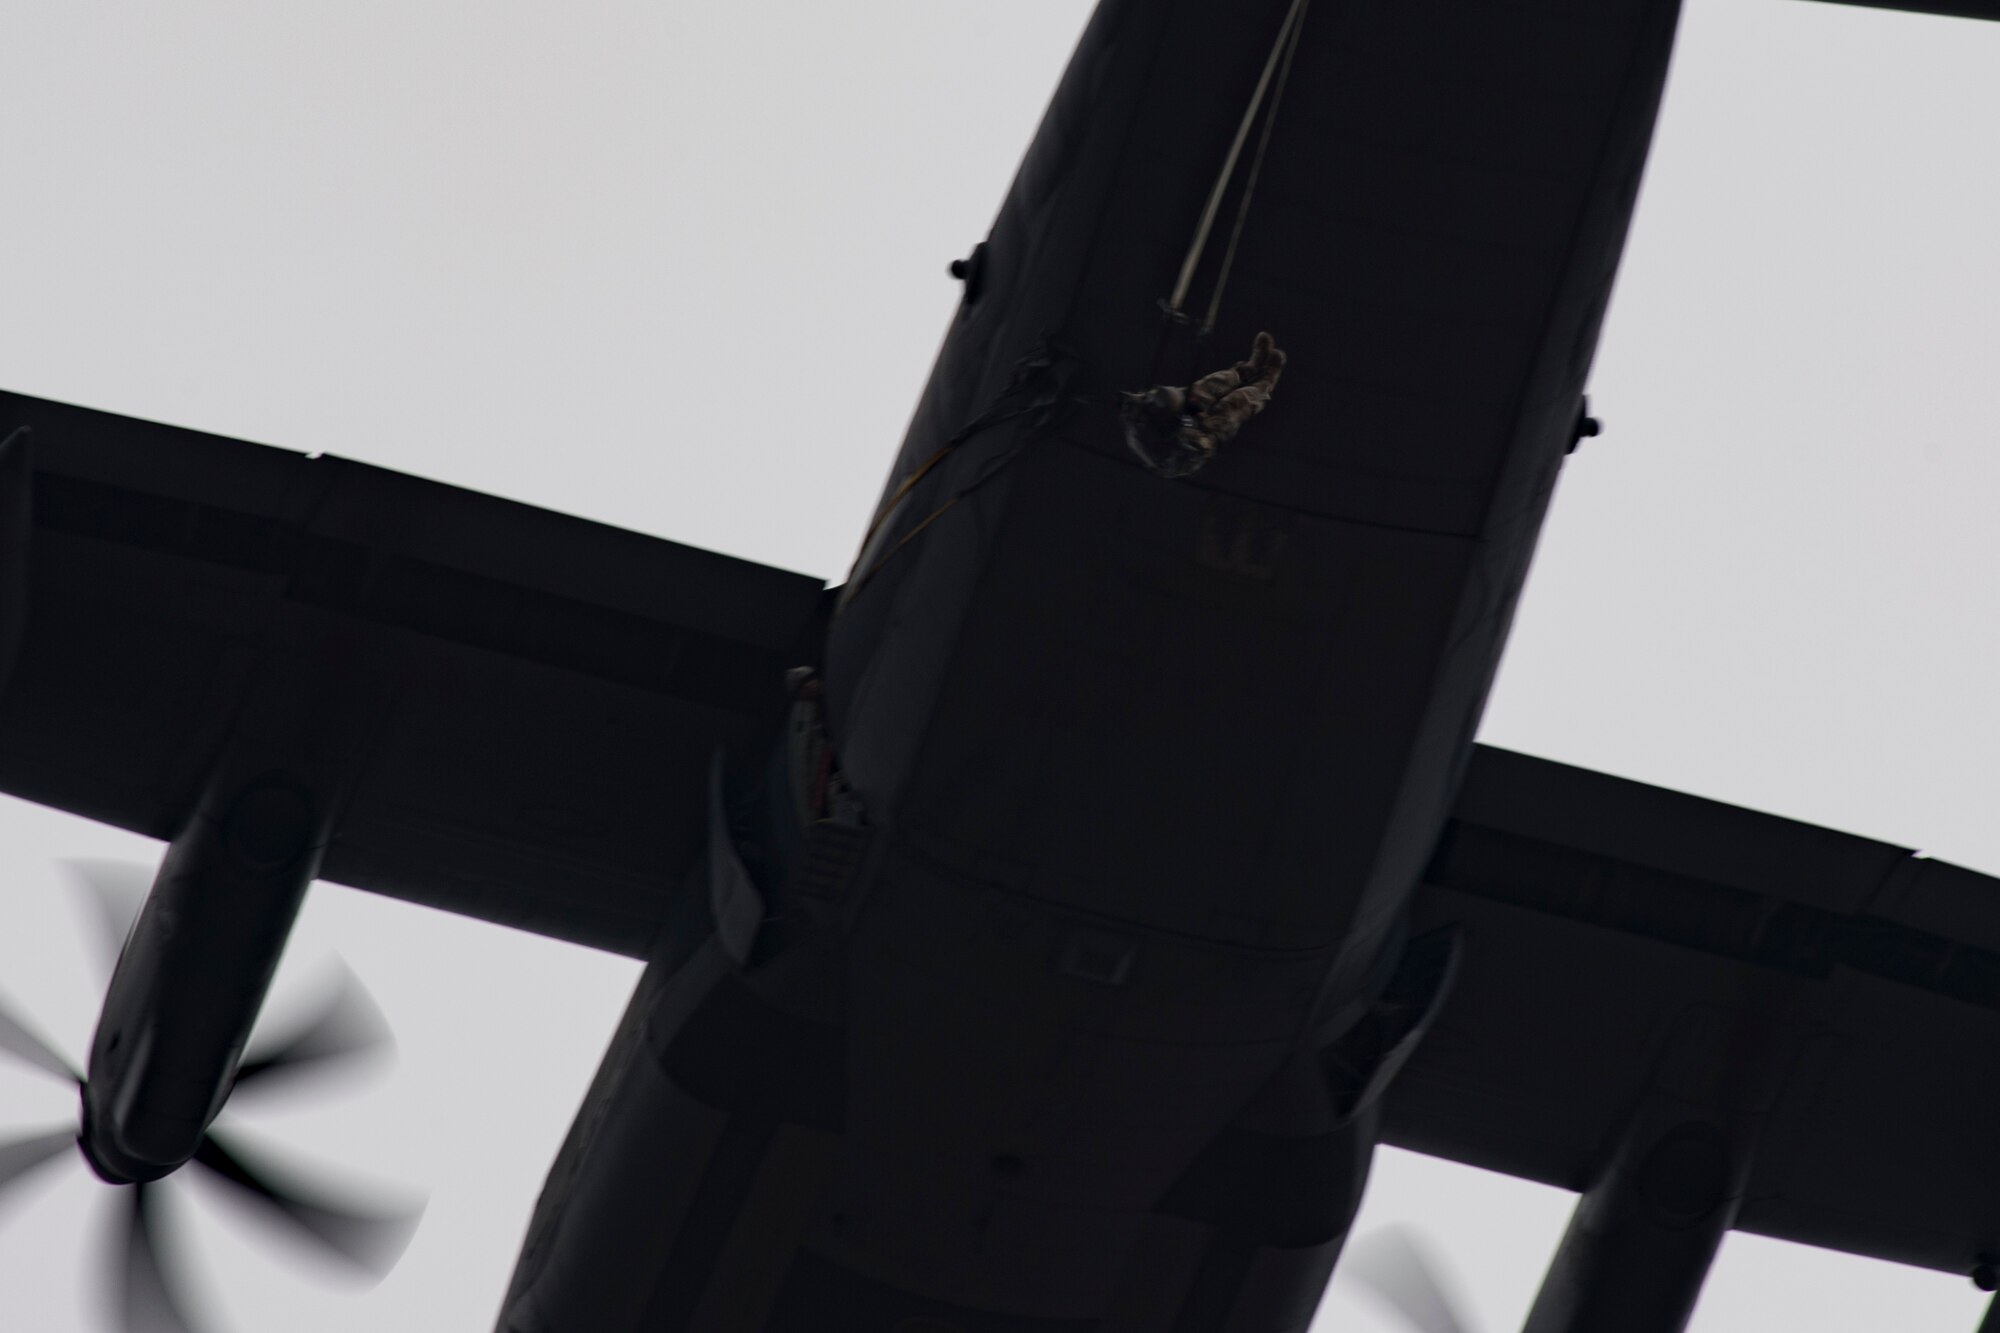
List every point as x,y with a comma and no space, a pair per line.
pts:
1176,432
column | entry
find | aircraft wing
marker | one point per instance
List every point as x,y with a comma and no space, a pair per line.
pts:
553,692
1620,936
549,692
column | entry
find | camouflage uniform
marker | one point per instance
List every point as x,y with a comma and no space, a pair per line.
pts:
1177,431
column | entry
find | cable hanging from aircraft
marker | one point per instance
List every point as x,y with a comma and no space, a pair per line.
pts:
1177,431
1044,370
1278,67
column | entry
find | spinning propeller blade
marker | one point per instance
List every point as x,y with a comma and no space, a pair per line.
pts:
21,1042
346,1026
371,1242
146,1304
21,1156
116,890
1392,1266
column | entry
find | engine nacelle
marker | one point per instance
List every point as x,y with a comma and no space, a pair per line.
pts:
194,972
199,959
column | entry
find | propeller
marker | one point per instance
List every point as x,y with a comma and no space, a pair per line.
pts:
24,1044
114,892
1392,1265
346,1026
342,1028
369,1241
21,1156
146,1304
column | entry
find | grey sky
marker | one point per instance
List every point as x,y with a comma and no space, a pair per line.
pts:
680,268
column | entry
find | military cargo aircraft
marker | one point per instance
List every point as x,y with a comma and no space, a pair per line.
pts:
1042,928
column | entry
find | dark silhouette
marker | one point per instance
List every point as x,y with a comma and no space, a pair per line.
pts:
1042,933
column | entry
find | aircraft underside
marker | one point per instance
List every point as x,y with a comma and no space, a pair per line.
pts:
1150,766
1043,928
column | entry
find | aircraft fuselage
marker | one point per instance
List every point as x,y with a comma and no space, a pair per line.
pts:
1149,767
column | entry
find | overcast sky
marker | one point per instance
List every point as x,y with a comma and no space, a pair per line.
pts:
681,268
